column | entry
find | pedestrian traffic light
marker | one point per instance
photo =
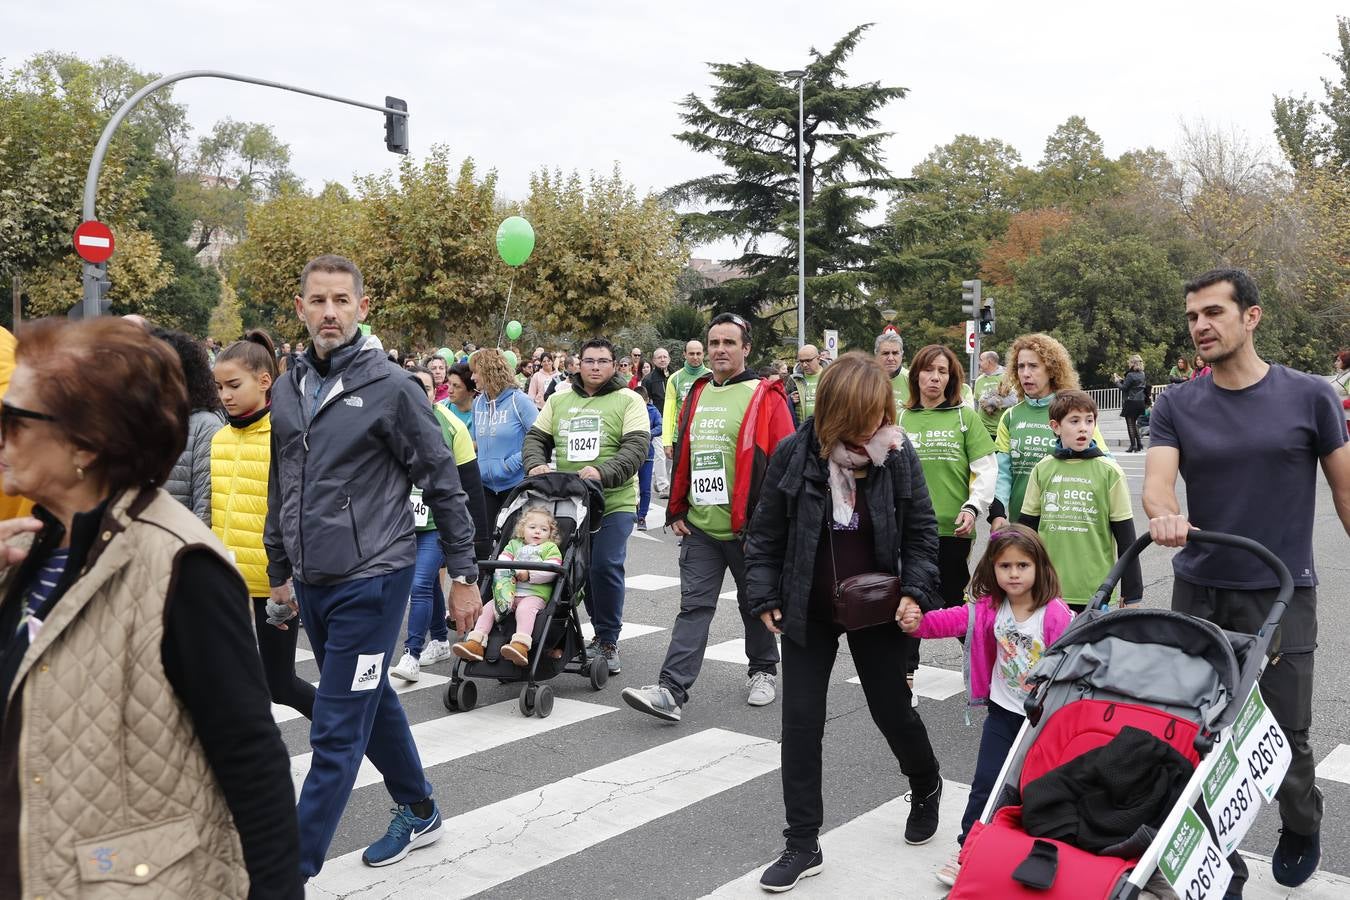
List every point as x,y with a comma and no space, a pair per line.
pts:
970,298
396,127
987,316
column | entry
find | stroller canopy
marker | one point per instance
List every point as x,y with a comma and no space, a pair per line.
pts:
1150,655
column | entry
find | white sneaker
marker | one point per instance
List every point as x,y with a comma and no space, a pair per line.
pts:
762,689
950,870
434,652
408,668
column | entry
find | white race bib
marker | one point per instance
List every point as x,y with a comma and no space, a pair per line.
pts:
420,511
1261,748
1232,799
1192,864
583,439
708,481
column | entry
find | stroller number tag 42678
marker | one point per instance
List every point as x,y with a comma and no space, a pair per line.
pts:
1261,747
1231,797
1192,864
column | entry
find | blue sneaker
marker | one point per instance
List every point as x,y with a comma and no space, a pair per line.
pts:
406,833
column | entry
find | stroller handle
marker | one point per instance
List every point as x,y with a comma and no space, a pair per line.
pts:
1282,597
527,565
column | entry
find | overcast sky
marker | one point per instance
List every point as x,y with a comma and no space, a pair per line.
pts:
582,84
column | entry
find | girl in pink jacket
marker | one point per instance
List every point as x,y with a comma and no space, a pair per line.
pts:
1017,617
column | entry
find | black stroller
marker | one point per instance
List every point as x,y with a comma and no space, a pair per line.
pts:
559,646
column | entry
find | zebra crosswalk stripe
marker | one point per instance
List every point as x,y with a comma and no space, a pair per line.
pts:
464,734
501,841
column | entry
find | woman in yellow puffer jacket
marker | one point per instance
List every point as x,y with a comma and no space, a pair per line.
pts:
241,454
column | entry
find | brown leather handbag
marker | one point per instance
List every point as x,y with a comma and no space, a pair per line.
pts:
862,601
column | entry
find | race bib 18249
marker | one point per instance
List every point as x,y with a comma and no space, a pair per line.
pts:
708,479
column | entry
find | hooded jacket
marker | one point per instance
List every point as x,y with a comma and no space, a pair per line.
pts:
767,422
499,426
190,480
346,449
784,533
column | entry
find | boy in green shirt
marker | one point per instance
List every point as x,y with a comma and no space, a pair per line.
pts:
1079,501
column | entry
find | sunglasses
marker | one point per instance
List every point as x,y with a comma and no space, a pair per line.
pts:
807,358
9,414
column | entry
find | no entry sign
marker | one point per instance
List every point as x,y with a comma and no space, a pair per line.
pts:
94,242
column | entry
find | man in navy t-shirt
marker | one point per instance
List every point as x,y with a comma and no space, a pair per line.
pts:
1247,439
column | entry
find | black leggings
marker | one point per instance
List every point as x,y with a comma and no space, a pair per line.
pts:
1132,427
277,649
953,576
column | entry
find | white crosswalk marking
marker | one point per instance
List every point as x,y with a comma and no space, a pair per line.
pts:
649,582
428,680
732,651
932,682
629,630
1336,765
464,734
500,841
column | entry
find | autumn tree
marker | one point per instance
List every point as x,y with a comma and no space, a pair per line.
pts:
750,125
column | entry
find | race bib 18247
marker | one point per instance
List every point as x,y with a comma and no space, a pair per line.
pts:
583,439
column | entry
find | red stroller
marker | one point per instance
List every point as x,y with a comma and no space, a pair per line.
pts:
1182,680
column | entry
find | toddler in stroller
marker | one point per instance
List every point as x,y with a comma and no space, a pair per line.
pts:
522,590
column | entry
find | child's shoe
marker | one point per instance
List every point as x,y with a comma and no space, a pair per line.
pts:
518,651
472,647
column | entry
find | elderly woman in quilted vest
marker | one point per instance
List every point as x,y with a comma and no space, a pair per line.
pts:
138,756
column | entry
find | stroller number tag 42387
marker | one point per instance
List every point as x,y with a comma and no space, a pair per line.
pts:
1261,747
1191,863
1231,797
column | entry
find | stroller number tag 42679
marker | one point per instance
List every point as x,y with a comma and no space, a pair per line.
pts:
1261,747
1232,798
1192,864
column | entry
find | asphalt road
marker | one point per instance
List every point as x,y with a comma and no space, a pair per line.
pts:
707,840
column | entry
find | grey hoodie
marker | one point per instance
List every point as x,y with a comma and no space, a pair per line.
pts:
346,450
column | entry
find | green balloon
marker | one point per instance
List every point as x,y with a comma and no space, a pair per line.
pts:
515,240
446,354
514,330
511,359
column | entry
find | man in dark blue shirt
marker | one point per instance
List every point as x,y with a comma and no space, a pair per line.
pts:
1247,439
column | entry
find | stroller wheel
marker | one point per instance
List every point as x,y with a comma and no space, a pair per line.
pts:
543,701
466,695
527,700
448,697
598,672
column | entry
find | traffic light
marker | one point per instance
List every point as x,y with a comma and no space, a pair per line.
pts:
987,316
970,298
396,127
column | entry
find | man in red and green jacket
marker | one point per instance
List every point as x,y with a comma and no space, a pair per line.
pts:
728,427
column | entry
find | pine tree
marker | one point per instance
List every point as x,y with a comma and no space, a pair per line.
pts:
750,124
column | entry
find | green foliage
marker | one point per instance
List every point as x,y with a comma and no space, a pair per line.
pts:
750,125
1316,134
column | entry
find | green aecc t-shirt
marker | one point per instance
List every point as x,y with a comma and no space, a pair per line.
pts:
713,431
946,441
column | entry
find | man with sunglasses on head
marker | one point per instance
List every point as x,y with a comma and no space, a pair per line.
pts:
804,381
729,425
601,432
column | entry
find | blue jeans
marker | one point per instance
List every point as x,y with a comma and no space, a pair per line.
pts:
645,489
1000,731
353,628
427,603
604,597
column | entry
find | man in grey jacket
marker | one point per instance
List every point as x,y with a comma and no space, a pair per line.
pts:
351,434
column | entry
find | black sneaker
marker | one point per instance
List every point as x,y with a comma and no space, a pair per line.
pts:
593,648
610,652
1296,857
923,815
792,867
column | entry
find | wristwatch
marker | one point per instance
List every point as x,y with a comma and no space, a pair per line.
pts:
463,579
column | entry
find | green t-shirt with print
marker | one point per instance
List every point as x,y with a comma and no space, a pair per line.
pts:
457,438
713,430
587,431
900,389
548,551
1024,434
946,441
1077,500
805,386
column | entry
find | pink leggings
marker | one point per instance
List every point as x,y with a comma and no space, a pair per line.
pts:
527,606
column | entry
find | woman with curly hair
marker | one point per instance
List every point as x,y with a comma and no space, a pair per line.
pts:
501,416
1040,366
190,481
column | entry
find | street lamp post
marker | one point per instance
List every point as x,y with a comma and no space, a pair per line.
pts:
800,76
95,274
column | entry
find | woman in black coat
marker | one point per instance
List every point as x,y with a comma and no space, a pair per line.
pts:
1134,400
842,496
